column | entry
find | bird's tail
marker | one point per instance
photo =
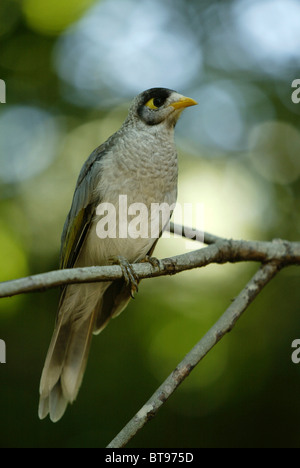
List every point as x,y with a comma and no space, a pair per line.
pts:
68,352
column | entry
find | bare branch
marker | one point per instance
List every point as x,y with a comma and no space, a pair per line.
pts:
194,234
272,255
220,251
184,368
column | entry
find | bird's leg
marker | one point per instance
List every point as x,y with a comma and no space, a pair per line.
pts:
129,274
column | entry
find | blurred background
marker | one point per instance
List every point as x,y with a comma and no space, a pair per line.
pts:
71,69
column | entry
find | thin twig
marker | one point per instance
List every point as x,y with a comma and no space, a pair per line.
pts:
194,234
184,368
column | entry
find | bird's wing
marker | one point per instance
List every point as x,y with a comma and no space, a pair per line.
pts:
82,210
69,347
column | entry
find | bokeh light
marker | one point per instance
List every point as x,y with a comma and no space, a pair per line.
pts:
269,31
275,151
28,142
51,17
150,47
227,112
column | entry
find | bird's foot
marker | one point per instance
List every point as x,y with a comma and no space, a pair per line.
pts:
129,274
152,260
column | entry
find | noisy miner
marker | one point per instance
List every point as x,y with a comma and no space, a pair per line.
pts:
138,162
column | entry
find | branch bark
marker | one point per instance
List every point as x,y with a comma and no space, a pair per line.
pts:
273,256
184,368
219,250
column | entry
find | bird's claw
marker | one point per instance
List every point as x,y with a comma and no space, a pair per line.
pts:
129,274
152,260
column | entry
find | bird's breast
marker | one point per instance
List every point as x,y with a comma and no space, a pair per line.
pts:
137,192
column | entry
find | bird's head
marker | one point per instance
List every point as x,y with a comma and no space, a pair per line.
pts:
159,106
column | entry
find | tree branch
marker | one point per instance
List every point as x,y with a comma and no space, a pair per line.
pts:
184,368
219,251
194,234
272,255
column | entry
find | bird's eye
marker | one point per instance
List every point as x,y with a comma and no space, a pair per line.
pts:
155,103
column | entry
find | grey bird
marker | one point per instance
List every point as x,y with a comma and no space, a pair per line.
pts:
140,162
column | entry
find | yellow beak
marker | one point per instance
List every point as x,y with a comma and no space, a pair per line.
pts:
184,102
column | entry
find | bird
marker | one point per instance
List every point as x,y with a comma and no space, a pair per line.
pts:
138,162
